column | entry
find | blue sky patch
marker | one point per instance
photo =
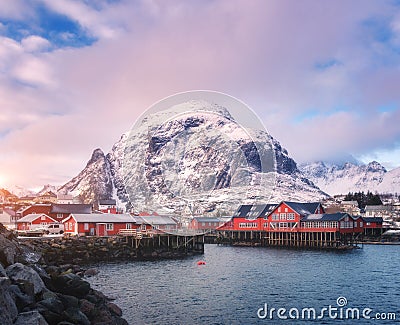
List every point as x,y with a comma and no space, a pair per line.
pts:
323,65
59,29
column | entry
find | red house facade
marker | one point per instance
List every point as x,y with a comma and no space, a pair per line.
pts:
33,221
106,224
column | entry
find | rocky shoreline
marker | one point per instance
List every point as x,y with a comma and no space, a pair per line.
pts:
33,291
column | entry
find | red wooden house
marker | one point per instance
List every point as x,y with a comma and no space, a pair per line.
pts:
62,211
161,223
34,209
373,226
205,223
286,215
33,221
332,222
108,206
247,217
105,224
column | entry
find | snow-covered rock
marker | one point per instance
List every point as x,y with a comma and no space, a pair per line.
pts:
198,160
349,177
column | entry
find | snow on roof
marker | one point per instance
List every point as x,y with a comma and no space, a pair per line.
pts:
33,216
102,217
158,220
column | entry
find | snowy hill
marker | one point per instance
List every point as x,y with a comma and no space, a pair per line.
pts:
202,161
349,177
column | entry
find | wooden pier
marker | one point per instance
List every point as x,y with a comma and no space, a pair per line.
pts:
150,243
295,239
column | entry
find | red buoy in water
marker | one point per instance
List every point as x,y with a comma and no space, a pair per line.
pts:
201,263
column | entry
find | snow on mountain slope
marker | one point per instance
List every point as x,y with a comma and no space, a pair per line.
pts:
341,179
202,161
94,182
390,182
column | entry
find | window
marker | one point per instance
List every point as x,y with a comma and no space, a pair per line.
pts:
286,209
128,226
86,226
144,227
361,224
283,216
203,224
109,226
290,216
43,217
265,225
275,216
59,215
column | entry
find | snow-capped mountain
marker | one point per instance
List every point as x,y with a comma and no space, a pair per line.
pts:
20,191
350,177
48,188
193,163
94,182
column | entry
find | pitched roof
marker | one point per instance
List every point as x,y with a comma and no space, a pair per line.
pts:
158,220
71,208
253,211
326,217
101,217
303,208
243,210
33,216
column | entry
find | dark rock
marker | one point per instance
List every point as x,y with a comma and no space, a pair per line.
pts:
103,317
50,317
69,301
91,272
53,304
27,255
53,270
31,317
74,315
87,307
22,300
71,284
20,273
2,271
8,308
114,309
8,250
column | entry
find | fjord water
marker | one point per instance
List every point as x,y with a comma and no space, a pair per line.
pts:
237,281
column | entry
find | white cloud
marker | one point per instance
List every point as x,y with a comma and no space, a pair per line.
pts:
34,43
94,21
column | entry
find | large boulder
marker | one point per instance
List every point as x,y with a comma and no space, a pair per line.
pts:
31,317
8,308
75,316
2,271
71,284
20,273
8,250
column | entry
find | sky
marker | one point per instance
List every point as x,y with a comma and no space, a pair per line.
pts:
323,76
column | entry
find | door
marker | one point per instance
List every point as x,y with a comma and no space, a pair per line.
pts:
101,229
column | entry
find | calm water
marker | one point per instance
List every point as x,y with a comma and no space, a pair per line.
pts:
237,281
